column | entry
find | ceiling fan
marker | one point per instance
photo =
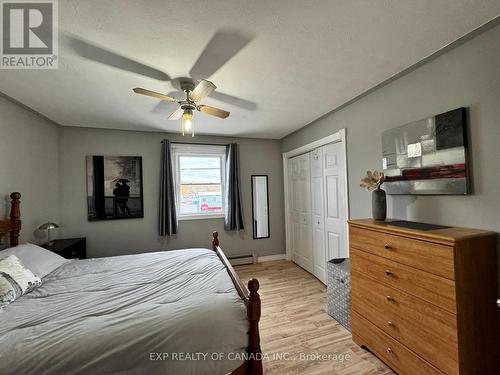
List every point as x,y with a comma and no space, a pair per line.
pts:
223,45
187,106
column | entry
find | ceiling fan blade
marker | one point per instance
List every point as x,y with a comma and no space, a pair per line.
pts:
213,111
233,100
177,114
220,49
164,108
202,90
101,55
139,90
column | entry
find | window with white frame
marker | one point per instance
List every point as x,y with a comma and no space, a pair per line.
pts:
199,180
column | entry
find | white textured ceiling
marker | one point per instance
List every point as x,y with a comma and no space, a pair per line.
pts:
304,58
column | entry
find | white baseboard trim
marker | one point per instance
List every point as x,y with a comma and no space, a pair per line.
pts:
270,258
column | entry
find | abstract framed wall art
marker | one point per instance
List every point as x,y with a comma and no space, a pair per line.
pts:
114,187
427,157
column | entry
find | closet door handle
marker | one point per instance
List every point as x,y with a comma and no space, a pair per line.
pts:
388,273
387,246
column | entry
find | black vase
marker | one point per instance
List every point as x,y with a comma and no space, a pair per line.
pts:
379,205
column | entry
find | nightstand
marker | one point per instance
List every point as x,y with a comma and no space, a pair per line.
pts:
69,248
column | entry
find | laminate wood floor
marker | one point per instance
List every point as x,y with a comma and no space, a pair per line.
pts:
297,334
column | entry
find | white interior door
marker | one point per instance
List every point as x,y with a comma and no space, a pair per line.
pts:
300,210
318,213
294,209
334,187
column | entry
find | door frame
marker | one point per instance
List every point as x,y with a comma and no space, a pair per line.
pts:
339,136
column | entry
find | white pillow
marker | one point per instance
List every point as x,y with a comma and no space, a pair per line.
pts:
15,280
38,260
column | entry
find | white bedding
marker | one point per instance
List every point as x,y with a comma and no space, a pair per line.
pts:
118,314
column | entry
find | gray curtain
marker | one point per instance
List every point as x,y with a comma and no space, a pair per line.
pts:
168,214
233,216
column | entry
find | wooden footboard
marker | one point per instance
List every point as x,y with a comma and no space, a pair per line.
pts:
251,298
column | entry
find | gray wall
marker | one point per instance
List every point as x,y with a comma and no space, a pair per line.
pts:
468,76
29,147
107,238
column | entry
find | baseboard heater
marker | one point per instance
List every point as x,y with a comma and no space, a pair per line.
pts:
243,259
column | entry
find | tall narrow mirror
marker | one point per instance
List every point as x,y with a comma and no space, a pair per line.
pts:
260,206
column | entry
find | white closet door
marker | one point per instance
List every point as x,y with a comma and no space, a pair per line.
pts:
294,207
318,213
334,185
300,211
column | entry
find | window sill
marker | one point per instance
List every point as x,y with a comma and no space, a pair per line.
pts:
201,217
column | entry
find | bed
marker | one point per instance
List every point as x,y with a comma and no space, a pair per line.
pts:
171,312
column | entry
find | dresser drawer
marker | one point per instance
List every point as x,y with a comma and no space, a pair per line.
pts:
428,256
396,355
429,331
431,288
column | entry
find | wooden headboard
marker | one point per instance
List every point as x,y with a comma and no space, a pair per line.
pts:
12,226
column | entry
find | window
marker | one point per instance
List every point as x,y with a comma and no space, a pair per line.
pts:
199,174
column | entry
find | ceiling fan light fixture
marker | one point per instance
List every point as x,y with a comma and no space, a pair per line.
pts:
187,122
186,107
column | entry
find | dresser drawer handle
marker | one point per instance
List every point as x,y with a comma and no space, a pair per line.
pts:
389,323
387,246
389,298
389,350
388,273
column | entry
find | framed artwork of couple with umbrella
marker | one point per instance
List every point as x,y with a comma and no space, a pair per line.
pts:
114,187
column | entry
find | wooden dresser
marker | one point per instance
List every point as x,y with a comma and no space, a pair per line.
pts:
424,301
